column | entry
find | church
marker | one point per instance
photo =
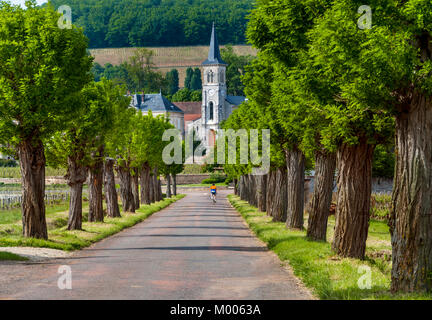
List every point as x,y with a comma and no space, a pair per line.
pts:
216,104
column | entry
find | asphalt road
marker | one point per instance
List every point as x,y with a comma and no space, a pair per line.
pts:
193,249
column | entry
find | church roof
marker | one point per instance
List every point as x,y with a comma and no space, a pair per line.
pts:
214,56
190,107
154,102
235,100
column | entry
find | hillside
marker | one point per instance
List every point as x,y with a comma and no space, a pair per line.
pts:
138,23
166,58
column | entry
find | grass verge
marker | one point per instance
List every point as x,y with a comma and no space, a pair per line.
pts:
63,239
11,256
327,275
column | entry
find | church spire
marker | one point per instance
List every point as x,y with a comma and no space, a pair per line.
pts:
214,56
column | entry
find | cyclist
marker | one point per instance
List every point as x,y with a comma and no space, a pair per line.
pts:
213,191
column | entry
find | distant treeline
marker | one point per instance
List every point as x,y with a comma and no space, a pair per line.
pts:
139,23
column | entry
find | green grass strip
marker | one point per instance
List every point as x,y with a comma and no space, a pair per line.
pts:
63,239
327,275
11,256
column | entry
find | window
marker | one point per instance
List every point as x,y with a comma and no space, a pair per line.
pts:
210,76
211,110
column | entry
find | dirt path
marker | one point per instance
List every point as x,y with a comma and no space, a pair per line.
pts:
191,250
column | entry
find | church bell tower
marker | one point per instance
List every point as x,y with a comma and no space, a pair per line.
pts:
214,91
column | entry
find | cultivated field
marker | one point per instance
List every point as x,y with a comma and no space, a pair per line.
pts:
166,58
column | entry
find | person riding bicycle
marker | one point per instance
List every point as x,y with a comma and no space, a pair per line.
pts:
213,190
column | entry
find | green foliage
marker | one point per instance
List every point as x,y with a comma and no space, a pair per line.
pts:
172,78
43,69
195,81
85,132
7,163
144,23
188,78
236,68
215,178
138,74
187,95
383,161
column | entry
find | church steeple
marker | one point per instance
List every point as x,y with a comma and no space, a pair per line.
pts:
214,56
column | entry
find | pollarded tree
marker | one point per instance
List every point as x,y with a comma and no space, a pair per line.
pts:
73,146
389,73
357,126
108,100
118,146
146,147
43,67
280,29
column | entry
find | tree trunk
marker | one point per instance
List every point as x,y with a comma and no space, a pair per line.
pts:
325,165
160,190
168,186
75,177
295,161
270,192
411,216
156,185
354,186
174,176
235,181
32,163
113,210
279,210
145,184
135,188
261,191
95,190
151,189
128,202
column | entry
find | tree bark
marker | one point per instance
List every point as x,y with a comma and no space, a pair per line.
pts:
174,176
295,161
32,164
128,202
160,190
261,191
279,204
411,214
111,198
168,187
135,187
270,192
325,165
95,189
151,189
145,184
76,176
354,185
157,196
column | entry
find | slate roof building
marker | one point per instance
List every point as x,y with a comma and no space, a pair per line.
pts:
158,104
203,117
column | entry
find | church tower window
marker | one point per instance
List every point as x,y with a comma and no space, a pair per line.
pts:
210,76
211,114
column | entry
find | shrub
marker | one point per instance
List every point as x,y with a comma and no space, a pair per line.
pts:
215,178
